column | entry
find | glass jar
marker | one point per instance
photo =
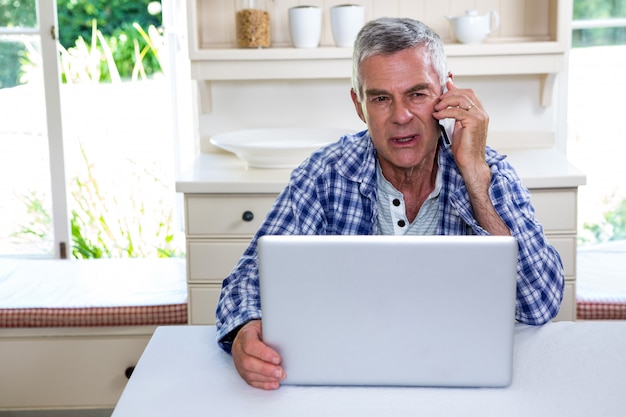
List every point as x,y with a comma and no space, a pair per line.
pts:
252,24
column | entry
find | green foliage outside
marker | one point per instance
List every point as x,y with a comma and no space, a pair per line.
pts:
599,9
100,60
22,16
613,224
11,54
112,16
98,228
12,51
612,227
117,21
100,41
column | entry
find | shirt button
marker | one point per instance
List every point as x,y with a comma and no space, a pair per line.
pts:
401,223
396,202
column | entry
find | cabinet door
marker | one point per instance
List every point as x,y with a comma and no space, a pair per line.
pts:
62,372
556,209
202,303
566,246
211,260
568,306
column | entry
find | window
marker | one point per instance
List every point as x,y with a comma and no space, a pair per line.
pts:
599,23
596,145
31,163
90,163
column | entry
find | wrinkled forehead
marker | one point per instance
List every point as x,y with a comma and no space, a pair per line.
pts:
405,65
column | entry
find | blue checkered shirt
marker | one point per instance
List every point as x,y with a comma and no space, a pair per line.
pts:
334,193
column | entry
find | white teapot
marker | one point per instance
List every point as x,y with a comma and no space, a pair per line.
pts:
473,28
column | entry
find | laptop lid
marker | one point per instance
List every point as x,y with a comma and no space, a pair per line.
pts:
390,310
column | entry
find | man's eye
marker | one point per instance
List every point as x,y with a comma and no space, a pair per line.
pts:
418,98
379,99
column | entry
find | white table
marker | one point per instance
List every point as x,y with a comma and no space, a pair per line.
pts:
560,369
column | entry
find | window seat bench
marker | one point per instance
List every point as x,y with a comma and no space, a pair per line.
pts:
601,282
99,292
71,331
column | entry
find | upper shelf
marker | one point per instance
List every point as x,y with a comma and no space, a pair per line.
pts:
545,59
497,58
533,39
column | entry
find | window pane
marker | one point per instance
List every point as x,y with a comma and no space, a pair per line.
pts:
602,201
599,37
120,169
118,142
602,13
25,195
18,13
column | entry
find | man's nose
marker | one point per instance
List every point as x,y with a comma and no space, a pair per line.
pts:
401,113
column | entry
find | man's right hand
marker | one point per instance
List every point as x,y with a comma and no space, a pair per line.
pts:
257,363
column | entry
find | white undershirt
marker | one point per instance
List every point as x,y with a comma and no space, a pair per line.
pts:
392,218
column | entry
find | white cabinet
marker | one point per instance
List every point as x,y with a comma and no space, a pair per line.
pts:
212,254
220,223
556,210
219,227
71,367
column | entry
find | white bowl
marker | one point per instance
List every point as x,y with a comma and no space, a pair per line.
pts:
276,147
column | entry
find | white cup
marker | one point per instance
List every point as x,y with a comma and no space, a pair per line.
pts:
346,20
305,26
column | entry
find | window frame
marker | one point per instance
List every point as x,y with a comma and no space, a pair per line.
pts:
47,30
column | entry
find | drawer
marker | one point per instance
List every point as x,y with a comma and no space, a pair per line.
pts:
568,306
226,214
202,303
556,209
66,372
566,246
212,260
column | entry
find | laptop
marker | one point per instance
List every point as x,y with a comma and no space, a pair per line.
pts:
432,311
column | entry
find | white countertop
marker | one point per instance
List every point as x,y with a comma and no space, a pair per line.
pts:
225,173
560,369
544,168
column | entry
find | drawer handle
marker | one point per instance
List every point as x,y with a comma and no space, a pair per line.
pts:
247,216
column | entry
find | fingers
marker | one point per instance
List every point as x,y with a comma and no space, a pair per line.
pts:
471,125
257,363
457,103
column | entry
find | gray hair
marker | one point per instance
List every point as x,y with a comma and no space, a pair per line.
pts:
390,35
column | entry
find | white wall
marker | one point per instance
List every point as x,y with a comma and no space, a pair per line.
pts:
512,102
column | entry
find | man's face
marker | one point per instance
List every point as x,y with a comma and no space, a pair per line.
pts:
399,95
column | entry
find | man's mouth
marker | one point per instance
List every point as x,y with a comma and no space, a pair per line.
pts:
404,139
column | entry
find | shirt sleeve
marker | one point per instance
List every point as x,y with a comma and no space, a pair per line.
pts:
239,300
540,275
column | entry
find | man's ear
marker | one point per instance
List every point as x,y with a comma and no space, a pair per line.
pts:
357,105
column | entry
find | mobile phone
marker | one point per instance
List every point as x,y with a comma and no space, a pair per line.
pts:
447,125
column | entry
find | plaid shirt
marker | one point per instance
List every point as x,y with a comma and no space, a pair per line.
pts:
334,193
